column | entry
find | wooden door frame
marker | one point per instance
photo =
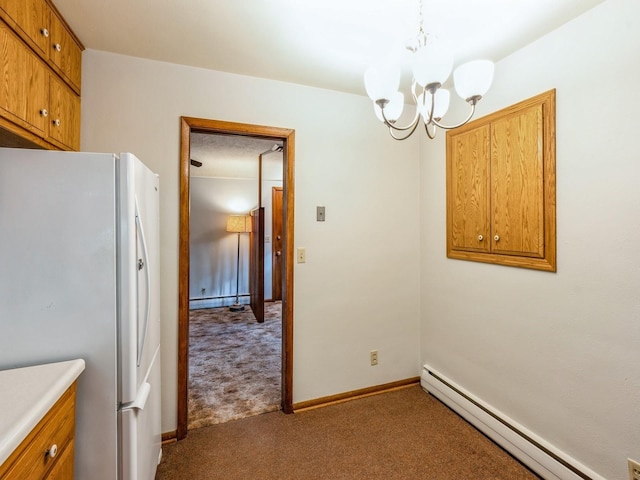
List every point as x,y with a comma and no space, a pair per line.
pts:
287,137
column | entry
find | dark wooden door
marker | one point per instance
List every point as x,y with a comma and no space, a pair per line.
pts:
256,263
276,233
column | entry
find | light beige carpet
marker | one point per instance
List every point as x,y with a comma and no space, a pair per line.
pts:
234,364
401,435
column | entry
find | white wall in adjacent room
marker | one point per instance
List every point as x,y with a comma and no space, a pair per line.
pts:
213,251
359,289
557,352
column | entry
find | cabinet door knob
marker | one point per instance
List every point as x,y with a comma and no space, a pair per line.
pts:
496,238
56,122
480,238
57,47
44,32
53,450
44,112
278,253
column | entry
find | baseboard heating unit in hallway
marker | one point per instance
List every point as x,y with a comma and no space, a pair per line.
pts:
541,457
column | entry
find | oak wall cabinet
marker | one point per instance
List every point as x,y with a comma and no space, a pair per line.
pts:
501,185
41,64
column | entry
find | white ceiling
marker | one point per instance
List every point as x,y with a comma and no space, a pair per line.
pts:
234,156
322,43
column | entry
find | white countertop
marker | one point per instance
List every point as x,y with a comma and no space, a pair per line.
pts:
26,395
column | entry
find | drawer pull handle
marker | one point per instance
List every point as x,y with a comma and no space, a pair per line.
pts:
53,451
44,112
57,47
56,122
45,33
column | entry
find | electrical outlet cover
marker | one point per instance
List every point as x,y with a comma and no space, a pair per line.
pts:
634,469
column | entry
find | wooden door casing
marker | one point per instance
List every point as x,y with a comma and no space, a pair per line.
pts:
256,263
287,137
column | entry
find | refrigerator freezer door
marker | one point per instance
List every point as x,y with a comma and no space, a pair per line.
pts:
140,427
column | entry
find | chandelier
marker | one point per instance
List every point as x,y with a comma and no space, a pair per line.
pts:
431,65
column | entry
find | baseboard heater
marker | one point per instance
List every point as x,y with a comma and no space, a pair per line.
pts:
541,457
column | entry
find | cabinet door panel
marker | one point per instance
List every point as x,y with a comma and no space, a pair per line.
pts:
31,17
65,114
24,83
517,171
468,190
65,52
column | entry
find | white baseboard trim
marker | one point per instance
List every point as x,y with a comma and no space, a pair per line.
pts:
540,456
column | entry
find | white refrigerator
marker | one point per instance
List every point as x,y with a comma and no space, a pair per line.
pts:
79,278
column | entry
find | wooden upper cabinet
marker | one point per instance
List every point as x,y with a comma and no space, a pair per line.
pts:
40,67
517,174
24,84
468,172
501,187
64,115
31,17
65,53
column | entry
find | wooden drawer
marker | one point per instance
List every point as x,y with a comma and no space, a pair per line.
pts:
63,469
32,459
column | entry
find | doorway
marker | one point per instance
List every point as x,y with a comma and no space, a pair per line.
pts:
286,137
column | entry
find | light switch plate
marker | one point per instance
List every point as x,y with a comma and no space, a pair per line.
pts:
320,214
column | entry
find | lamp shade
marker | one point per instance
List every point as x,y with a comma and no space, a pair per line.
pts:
239,223
393,110
382,82
473,78
440,104
431,64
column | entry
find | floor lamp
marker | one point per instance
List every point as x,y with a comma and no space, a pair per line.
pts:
238,224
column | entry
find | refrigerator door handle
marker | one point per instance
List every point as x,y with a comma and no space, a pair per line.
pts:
141,399
141,264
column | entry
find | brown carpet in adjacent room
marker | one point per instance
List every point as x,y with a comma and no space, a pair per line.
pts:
234,364
405,434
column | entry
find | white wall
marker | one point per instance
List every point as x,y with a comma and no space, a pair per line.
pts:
359,289
557,352
212,250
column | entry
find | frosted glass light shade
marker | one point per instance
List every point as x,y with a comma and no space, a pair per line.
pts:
473,78
393,110
440,107
382,81
431,64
